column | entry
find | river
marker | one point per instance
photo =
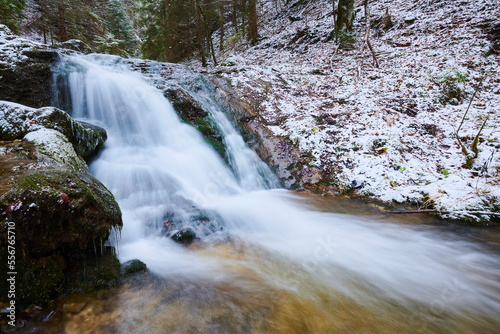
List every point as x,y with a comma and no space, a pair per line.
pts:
266,260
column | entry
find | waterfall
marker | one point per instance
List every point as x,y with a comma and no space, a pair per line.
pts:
160,168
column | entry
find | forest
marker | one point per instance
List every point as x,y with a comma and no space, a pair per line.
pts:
164,30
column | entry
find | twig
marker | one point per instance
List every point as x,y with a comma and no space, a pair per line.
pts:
471,100
469,158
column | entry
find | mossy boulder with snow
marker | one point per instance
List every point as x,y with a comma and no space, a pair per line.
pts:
26,75
62,214
16,121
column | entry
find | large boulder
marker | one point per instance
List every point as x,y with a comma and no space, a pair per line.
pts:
62,216
25,71
17,120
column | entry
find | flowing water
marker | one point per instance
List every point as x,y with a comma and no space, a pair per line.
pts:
267,261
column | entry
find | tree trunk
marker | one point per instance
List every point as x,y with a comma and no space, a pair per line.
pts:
221,10
62,22
43,19
252,22
209,36
198,34
367,37
235,19
345,15
334,14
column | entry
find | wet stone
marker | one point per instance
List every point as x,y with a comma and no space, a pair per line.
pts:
185,236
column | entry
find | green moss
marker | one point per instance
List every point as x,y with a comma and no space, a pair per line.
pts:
101,269
133,267
218,146
58,216
40,281
202,126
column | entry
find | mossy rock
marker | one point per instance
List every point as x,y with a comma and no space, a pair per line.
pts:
187,108
61,218
218,146
40,280
30,81
132,267
191,112
60,208
96,268
19,120
185,236
54,145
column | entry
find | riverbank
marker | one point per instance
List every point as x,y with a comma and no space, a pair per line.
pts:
387,133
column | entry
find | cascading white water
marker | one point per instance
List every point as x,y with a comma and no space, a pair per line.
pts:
155,164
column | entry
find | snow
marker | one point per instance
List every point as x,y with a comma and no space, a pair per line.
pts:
55,145
383,131
12,47
17,119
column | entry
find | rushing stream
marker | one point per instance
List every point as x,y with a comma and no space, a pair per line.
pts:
267,261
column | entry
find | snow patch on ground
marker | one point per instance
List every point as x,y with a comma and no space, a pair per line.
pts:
388,132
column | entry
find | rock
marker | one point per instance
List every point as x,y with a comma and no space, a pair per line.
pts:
61,213
16,121
132,267
184,104
54,144
191,112
185,236
27,79
57,214
56,208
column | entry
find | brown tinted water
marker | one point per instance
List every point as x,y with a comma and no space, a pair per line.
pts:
259,291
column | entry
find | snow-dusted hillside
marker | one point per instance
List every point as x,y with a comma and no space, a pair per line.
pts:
387,132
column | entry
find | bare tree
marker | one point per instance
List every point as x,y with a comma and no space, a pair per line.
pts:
367,36
199,34
252,22
62,22
221,13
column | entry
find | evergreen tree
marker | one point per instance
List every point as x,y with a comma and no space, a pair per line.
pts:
11,13
120,28
168,29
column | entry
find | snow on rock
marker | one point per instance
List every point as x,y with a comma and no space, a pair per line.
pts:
16,120
56,146
12,47
389,133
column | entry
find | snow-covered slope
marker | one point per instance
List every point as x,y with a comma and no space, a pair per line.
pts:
387,132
